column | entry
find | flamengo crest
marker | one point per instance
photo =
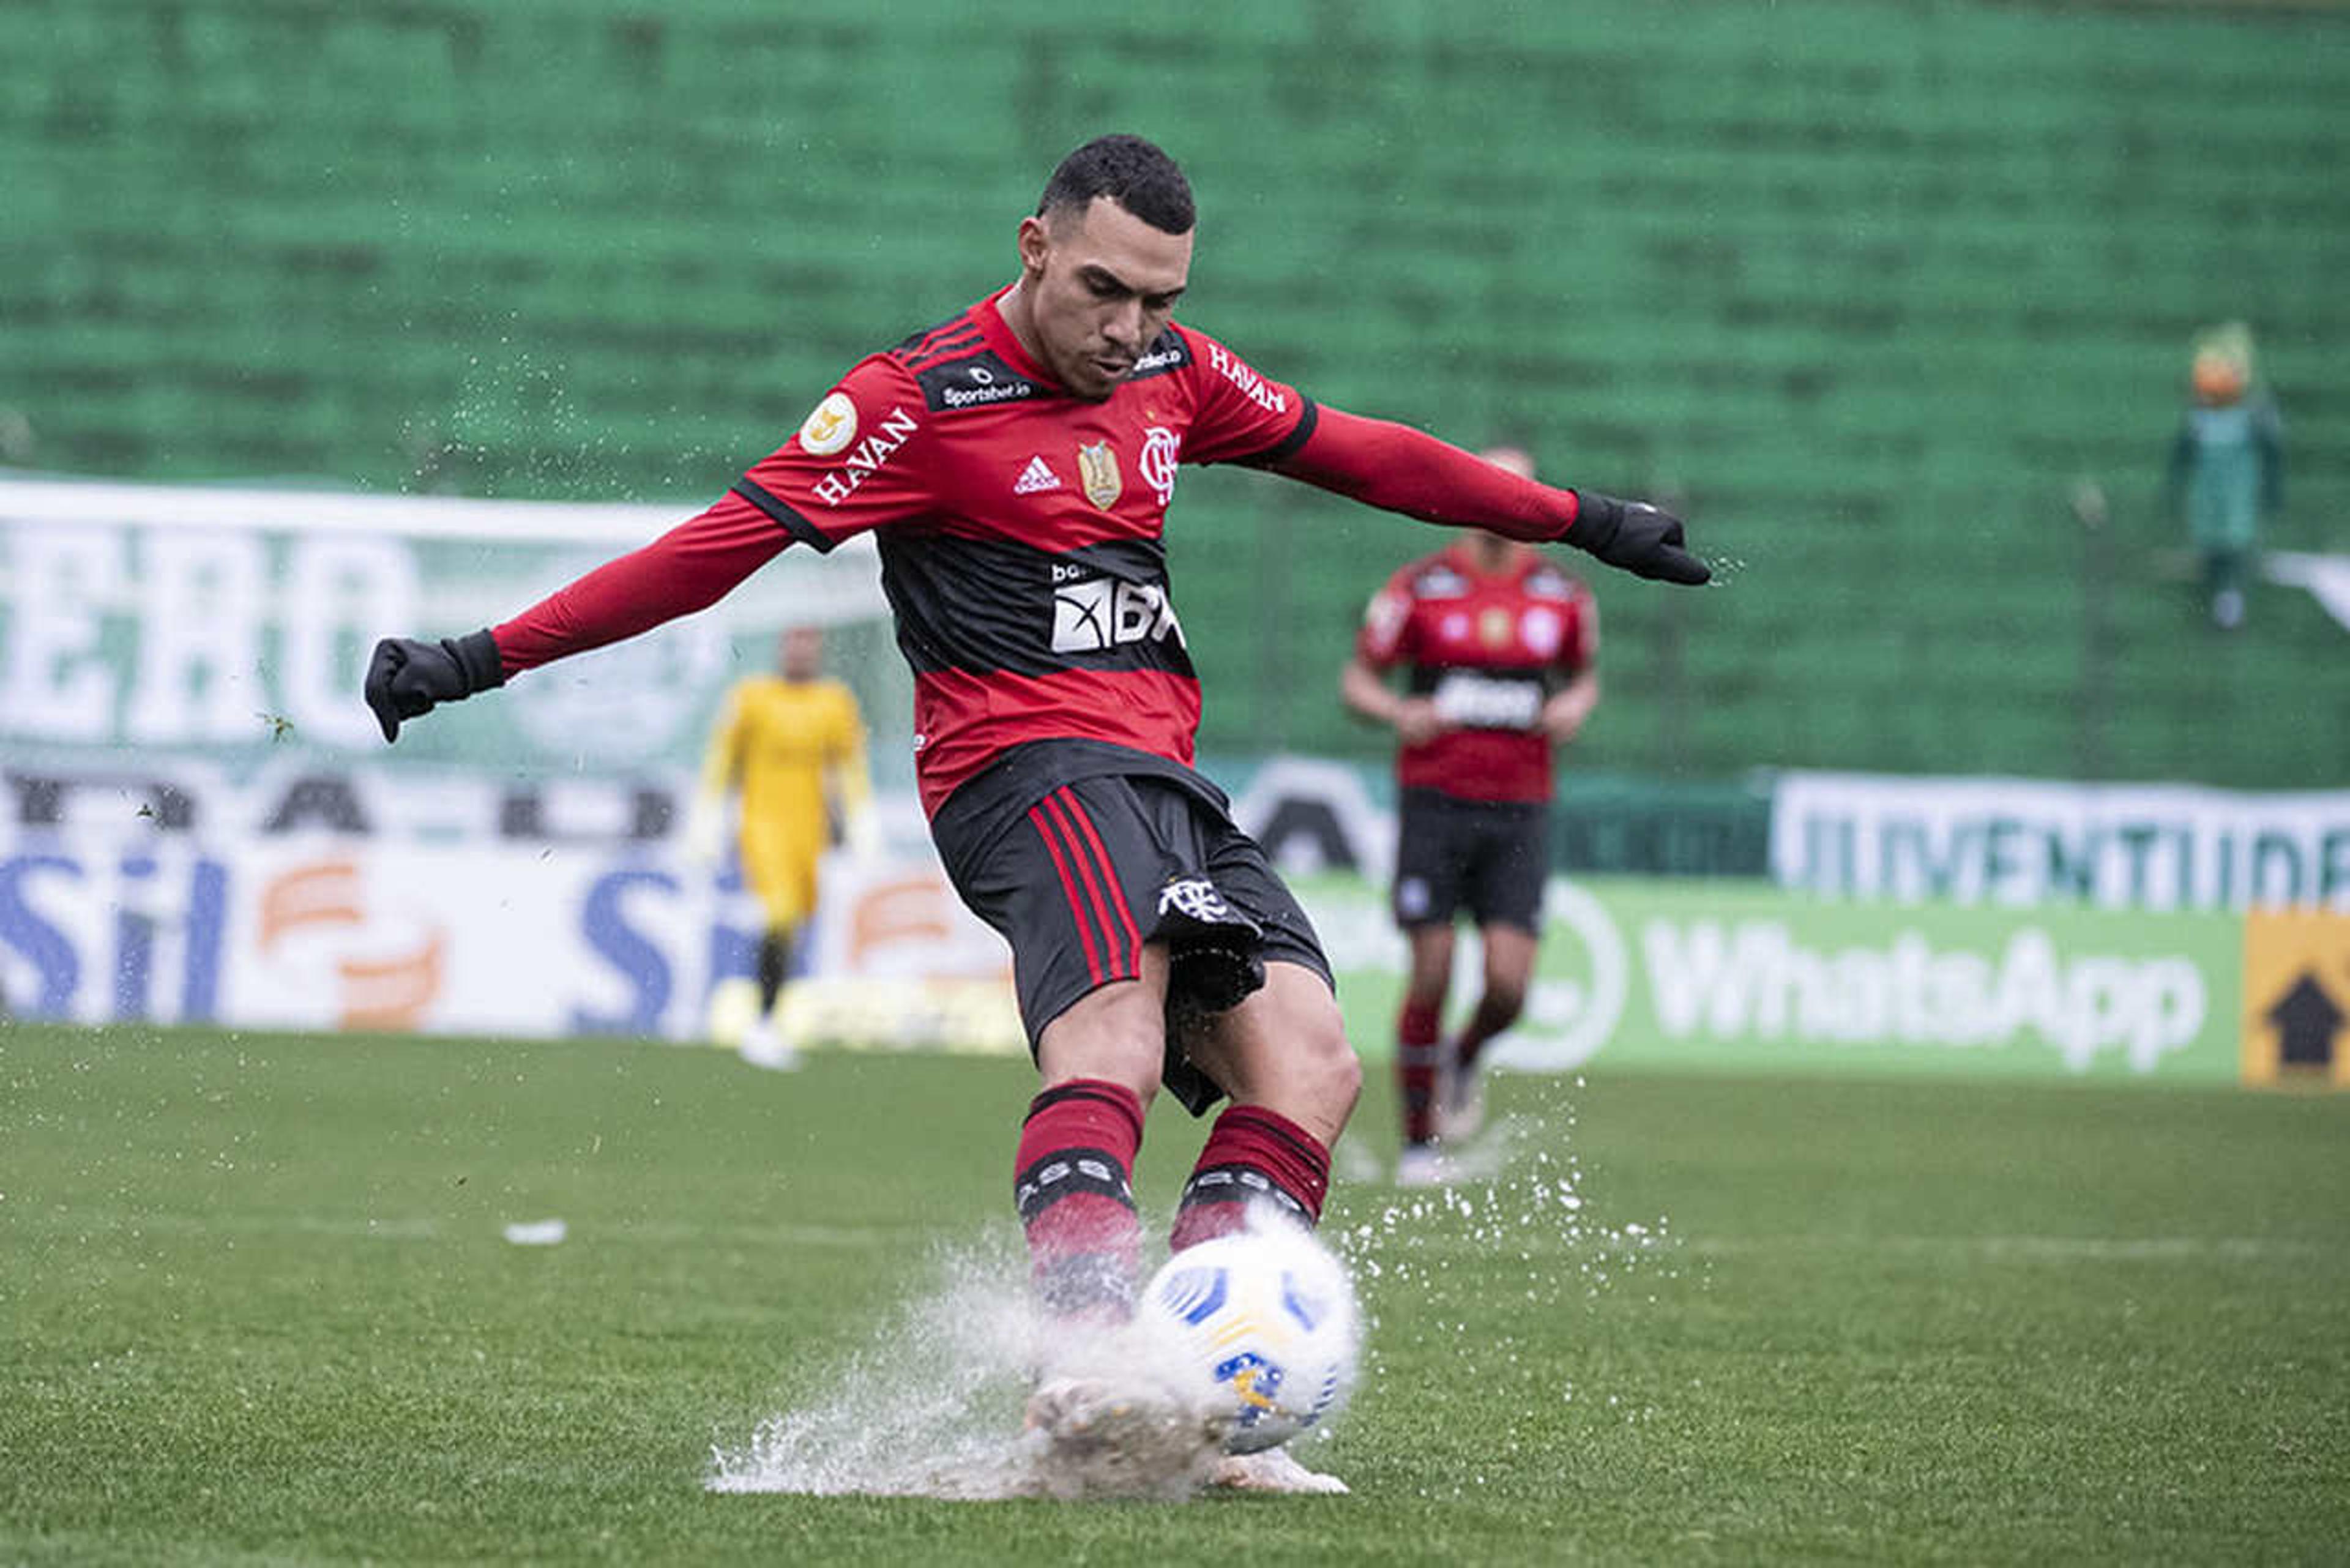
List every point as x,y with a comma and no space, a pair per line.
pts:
1160,447
1196,897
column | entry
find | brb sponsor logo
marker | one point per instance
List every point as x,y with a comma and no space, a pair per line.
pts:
1477,701
1094,613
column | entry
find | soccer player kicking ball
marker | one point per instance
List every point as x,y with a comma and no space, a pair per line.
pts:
1015,464
1498,645
793,743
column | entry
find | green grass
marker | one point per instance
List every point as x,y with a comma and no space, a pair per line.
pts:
255,1307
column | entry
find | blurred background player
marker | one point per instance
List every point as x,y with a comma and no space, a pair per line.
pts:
792,744
1498,646
2227,467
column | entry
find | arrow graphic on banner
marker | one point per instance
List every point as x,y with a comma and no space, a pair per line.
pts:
2306,1020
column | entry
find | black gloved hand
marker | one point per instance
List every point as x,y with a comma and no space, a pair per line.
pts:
1640,538
407,677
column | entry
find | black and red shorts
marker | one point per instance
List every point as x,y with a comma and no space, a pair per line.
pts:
1490,858
1079,868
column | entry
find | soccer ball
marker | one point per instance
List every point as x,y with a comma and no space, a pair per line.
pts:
1260,1327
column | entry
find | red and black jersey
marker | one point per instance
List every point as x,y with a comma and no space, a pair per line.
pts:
1490,649
1020,528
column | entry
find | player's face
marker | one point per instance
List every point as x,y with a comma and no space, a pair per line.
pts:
1097,286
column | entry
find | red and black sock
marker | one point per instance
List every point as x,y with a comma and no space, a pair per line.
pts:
1253,1155
1076,1201
1416,1058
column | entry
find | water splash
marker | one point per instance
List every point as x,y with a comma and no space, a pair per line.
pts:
1517,1238
932,1406
929,1407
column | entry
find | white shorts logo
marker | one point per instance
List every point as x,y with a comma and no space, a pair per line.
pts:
1196,897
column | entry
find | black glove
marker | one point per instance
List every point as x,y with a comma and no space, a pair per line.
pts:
406,678
1640,538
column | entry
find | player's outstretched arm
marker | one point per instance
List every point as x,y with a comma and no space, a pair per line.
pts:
688,568
1393,466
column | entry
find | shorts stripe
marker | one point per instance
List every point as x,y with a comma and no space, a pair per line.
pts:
1059,807
1088,914
1070,886
1118,893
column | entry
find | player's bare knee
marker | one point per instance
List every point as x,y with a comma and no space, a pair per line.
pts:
1129,1068
1324,1063
1117,1033
1344,1073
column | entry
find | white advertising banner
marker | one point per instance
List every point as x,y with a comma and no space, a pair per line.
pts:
200,822
315,931
2023,842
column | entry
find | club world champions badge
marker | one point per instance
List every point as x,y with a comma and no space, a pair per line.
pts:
1098,468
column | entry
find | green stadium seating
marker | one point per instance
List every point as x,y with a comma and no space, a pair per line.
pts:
1868,286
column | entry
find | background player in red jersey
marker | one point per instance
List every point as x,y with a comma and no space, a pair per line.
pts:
1498,646
1015,463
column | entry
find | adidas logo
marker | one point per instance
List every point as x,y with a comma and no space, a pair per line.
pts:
1036,477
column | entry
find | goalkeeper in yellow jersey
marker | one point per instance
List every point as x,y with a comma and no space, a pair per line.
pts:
793,743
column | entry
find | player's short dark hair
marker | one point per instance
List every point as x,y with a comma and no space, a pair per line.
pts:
1131,172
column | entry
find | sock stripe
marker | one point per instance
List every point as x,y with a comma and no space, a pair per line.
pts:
1280,1127
1074,1189
1115,1096
1236,1184
1070,1173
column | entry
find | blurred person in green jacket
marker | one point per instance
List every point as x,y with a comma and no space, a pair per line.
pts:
2227,467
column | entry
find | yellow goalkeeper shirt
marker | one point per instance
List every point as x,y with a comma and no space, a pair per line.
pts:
796,752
